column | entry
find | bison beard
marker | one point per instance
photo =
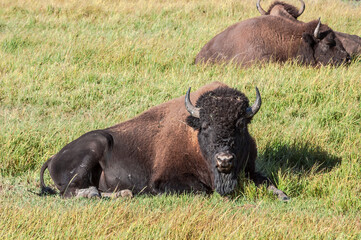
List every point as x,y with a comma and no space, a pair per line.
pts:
225,183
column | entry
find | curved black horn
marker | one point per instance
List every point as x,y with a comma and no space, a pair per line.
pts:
251,111
302,9
316,33
259,8
194,111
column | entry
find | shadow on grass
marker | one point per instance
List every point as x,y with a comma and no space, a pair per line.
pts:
298,159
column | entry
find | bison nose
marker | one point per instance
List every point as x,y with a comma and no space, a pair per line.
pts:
224,161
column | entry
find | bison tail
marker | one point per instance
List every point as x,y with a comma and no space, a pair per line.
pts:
44,189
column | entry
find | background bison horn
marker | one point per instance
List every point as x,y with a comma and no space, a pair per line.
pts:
302,9
260,9
194,111
316,33
251,111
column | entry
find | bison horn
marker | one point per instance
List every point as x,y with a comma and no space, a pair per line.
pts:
316,33
194,111
260,9
251,111
302,9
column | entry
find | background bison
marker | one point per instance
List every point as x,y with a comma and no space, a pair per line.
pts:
274,38
164,150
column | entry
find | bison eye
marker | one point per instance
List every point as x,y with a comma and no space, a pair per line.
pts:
241,124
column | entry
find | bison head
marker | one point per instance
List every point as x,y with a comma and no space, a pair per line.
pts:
221,117
323,47
282,9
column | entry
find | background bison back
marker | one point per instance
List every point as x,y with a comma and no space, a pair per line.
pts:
240,43
260,39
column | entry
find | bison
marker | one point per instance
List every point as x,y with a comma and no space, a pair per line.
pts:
274,38
351,43
174,147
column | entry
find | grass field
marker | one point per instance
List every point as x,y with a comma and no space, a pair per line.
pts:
68,67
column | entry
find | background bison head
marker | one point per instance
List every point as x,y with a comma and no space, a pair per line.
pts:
322,47
282,9
221,117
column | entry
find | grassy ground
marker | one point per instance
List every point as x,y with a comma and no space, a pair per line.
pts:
68,67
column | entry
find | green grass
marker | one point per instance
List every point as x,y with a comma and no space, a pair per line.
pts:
68,67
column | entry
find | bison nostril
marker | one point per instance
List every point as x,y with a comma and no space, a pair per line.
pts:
224,162
224,158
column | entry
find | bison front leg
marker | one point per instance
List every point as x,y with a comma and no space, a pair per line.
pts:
260,179
92,192
126,193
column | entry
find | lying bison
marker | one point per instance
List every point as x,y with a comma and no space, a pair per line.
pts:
351,43
274,38
166,150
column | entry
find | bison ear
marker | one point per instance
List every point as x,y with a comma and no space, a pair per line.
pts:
194,122
330,39
307,38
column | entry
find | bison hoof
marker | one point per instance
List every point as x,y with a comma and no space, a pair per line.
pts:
126,193
284,198
91,192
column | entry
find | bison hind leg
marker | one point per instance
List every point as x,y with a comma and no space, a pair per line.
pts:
79,164
85,182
